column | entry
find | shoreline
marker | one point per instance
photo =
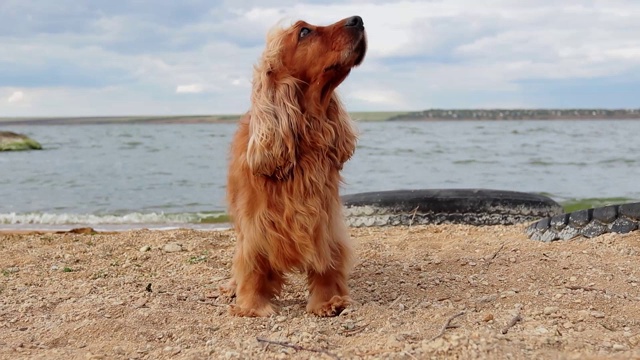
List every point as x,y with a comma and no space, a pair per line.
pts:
6,229
427,115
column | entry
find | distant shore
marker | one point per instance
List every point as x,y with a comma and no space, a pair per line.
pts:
426,115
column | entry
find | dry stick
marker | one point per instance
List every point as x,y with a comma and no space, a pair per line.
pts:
413,216
410,223
494,256
447,325
355,330
512,323
296,347
585,288
395,301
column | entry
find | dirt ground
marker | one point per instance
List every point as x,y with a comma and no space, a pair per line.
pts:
422,292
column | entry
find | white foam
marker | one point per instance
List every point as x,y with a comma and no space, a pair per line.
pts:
92,219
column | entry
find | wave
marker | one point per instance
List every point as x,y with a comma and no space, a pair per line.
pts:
94,219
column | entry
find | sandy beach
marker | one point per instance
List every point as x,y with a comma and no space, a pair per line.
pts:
446,291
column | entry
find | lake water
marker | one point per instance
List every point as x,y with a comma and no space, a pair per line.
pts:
127,174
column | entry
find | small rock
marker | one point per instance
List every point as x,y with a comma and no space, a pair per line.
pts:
119,350
172,350
172,247
140,303
392,341
567,325
349,325
634,340
487,317
550,310
231,354
346,312
541,330
145,248
619,347
487,298
597,314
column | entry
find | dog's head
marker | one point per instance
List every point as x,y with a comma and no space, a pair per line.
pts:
293,82
318,57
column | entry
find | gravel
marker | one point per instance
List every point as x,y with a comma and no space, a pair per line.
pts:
154,295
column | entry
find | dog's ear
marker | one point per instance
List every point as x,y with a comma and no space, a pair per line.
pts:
273,127
346,135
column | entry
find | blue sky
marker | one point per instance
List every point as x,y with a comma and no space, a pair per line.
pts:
116,57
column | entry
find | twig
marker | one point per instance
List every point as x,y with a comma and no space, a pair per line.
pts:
489,260
296,347
512,323
214,304
394,302
355,330
447,325
585,288
413,216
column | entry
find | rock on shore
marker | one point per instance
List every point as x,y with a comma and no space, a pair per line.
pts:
10,141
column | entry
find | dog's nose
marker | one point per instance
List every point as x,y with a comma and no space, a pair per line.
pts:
354,21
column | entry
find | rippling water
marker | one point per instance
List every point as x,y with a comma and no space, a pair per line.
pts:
170,173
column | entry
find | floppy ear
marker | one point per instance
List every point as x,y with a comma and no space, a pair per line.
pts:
345,132
273,126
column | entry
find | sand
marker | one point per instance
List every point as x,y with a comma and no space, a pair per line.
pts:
422,292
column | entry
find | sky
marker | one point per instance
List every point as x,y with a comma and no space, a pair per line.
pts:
193,57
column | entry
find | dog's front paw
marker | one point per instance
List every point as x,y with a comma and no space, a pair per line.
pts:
332,307
254,311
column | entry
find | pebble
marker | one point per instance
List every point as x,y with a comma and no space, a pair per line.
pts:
392,341
619,347
231,354
487,317
172,247
145,248
171,350
567,325
597,314
550,310
541,330
346,312
140,303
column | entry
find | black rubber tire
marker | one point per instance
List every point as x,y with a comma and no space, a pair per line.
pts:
588,223
439,206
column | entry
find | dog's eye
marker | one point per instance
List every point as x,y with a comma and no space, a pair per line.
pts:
304,32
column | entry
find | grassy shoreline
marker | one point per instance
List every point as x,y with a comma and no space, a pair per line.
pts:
426,115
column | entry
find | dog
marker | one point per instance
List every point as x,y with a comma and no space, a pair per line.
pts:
284,170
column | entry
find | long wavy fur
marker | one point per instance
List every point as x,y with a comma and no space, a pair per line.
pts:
283,185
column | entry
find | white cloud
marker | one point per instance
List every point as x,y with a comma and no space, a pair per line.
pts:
382,97
190,89
15,97
421,53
